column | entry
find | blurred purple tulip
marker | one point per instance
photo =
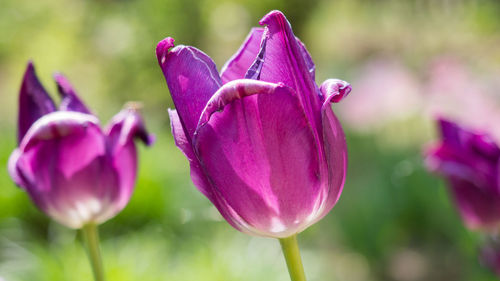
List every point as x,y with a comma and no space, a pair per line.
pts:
73,170
489,256
469,161
262,140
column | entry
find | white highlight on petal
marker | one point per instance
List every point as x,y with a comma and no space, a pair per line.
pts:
78,214
276,225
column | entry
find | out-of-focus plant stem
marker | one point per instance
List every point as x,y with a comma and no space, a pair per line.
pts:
291,252
91,239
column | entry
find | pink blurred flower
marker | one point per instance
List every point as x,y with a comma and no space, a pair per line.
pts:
452,90
386,91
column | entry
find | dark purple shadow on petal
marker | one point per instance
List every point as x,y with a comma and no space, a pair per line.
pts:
479,207
70,100
127,125
254,70
192,79
34,102
237,66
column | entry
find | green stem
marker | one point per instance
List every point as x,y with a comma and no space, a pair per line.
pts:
291,252
91,238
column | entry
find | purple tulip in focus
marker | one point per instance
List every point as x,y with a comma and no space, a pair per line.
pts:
469,161
261,138
74,171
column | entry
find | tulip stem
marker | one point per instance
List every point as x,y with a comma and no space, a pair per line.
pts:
91,239
291,252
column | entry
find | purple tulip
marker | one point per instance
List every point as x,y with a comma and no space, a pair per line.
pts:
489,256
469,161
261,138
73,170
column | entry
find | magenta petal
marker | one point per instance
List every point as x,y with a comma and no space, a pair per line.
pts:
192,79
13,170
307,58
65,167
335,148
284,62
70,100
127,125
198,174
334,90
261,156
76,136
465,155
184,145
470,162
34,102
479,207
237,66
124,128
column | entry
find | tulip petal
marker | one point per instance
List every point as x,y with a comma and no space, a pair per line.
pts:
259,151
465,155
284,62
65,167
70,100
237,66
334,90
78,135
13,170
307,58
124,127
182,142
34,102
335,148
479,207
247,56
127,125
479,144
198,175
192,79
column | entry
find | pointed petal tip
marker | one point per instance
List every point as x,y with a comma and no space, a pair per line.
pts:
274,14
70,100
34,101
62,83
162,49
447,128
30,65
30,71
442,121
334,90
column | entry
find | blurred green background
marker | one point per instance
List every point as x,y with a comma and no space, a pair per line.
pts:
406,60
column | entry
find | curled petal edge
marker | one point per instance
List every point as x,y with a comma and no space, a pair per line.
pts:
334,90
